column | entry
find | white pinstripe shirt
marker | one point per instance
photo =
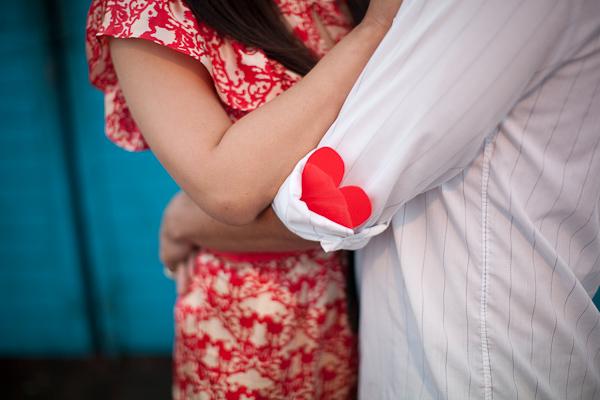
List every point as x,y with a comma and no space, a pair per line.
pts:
475,130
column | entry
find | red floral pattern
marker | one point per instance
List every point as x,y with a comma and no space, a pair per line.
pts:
265,329
260,326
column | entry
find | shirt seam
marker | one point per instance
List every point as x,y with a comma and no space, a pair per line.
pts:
485,353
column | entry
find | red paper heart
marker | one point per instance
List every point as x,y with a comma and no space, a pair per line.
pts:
347,205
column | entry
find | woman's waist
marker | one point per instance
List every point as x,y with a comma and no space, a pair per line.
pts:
266,256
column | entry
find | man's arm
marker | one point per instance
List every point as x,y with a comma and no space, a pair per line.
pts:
441,82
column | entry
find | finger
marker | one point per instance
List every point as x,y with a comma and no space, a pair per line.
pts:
172,252
181,278
188,268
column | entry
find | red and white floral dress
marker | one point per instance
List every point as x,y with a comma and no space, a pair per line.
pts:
251,326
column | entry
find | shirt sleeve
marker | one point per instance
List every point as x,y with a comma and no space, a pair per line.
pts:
440,83
167,23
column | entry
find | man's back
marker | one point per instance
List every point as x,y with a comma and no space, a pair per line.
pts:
483,287
475,131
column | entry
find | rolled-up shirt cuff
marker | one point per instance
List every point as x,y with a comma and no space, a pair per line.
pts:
296,216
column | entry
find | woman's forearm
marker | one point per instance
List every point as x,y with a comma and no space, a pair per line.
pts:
265,234
185,223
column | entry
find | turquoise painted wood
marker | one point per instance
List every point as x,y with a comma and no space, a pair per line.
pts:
123,198
120,196
41,308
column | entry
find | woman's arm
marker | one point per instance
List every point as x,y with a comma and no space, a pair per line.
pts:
233,171
185,227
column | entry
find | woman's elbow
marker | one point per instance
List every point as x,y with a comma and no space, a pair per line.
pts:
237,212
234,208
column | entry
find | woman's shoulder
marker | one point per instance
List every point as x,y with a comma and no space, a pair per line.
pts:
168,23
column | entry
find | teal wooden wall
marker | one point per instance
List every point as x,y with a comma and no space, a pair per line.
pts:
79,272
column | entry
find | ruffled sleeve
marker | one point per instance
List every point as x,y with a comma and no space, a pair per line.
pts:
166,22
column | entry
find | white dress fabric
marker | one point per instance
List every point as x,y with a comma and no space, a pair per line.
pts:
475,131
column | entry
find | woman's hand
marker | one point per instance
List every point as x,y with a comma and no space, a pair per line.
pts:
177,231
382,12
185,228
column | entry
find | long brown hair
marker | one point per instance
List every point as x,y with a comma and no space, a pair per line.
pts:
258,23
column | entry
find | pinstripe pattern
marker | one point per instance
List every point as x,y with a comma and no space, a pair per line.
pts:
465,300
476,132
